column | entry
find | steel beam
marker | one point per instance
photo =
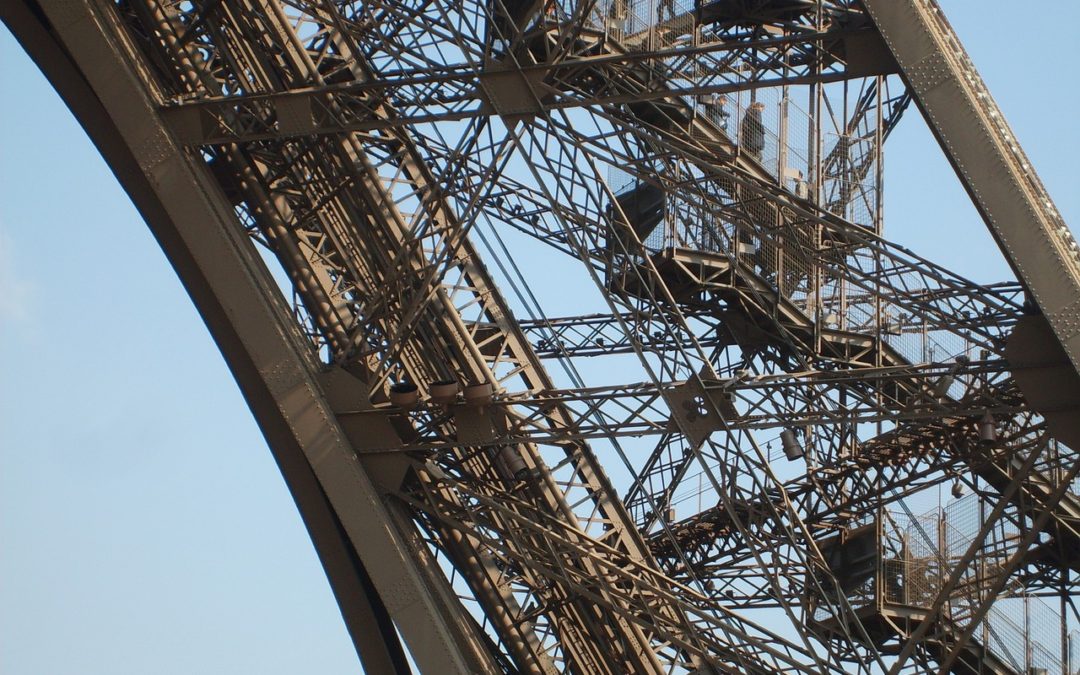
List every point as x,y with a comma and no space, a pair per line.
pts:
811,399
314,128
987,158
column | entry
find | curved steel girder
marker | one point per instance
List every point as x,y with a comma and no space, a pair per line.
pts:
75,48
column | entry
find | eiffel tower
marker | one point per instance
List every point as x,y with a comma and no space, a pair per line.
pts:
576,332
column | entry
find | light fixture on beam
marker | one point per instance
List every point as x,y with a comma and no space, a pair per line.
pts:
443,392
789,440
404,395
479,394
988,434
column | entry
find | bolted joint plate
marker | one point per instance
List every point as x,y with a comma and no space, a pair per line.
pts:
698,412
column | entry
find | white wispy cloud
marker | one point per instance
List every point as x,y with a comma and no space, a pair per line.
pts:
15,291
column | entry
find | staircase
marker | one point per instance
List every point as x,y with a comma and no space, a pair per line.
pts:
1063,550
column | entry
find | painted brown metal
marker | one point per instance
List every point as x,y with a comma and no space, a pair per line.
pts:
72,46
753,293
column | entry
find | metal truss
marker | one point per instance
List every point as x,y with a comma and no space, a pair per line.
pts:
500,494
747,402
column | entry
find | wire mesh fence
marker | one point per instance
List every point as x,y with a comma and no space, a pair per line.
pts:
1073,653
819,159
919,553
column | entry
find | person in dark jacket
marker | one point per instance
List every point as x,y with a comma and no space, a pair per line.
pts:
753,130
669,5
715,107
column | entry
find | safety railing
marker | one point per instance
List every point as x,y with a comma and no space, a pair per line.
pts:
837,170
918,555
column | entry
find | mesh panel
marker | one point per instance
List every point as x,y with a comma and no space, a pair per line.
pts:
920,552
912,571
848,168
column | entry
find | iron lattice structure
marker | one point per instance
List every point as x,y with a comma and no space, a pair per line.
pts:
355,195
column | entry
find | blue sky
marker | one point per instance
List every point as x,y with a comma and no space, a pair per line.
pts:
143,524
